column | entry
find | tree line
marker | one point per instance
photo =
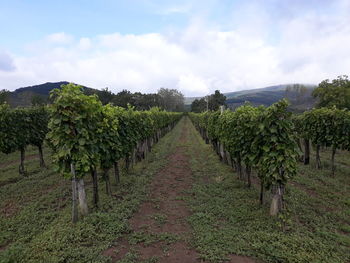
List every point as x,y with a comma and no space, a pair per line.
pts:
167,99
211,102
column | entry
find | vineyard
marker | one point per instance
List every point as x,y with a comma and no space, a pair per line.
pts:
270,140
258,184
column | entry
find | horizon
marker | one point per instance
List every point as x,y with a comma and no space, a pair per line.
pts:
186,97
196,47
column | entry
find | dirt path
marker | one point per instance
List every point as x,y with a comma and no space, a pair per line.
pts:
160,232
160,224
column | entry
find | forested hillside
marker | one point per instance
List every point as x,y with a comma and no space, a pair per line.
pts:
300,100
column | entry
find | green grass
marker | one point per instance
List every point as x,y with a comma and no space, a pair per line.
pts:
227,218
149,238
159,218
35,210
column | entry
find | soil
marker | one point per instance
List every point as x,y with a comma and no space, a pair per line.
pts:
9,209
165,213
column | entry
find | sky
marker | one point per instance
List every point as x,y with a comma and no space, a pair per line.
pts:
195,46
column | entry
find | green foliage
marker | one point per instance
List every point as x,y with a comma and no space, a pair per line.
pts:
123,99
74,129
35,224
4,95
7,132
328,127
275,145
211,102
199,105
237,130
171,99
138,100
226,218
335,93
216,100
39,118
110,147
213,125
21,126
85,133
38,100
260,137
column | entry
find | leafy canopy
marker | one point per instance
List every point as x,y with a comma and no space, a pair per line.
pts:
335,93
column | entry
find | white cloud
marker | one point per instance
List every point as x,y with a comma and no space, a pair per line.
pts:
197,60
6,62
59,38
193,84
84,43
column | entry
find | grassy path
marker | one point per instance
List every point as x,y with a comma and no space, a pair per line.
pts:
160,229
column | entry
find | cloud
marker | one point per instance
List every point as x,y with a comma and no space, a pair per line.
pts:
199,59
59,38
192,84
6,62
84,43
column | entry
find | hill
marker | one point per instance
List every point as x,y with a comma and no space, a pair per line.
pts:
25,96
267,96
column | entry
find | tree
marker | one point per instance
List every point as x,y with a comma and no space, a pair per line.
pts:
105,95
171,99
4,96
216,100
199,105
211,102
335,93
146,101
123,98
38,100
296,93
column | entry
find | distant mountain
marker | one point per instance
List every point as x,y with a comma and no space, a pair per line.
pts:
42,89
267,96
24,96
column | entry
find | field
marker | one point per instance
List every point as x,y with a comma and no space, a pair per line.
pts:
181,204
